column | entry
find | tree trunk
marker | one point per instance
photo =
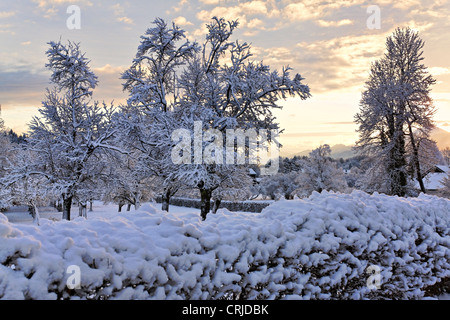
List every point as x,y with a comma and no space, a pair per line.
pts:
399,179
165,199
90,206
205,200
128,206
31,210
34,212
82,208
37,217
137,201
67,205
121,204
165,204
216,205
59,206
416,160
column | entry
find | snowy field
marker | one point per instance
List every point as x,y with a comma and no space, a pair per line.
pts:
330,246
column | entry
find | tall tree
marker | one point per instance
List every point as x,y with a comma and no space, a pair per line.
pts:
71,130
152,85
175,84
395,108
226,90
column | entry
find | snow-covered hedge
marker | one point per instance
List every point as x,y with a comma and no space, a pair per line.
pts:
318,248
245,206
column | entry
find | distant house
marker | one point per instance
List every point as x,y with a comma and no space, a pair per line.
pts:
434,177
252,173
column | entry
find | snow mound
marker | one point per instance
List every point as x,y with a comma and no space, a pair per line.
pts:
322,247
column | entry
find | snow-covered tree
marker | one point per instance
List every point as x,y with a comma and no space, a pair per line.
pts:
446,187
71,130
127,182
320,173
277,186
238,188
174,84
5,153
428,153
152,85
395,107
225,89
27,188
446,156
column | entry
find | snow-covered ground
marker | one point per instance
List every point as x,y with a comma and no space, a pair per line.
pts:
317,248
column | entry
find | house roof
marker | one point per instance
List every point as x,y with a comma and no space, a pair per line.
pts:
434,179
443,169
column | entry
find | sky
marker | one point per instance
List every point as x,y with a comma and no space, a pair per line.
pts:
329,43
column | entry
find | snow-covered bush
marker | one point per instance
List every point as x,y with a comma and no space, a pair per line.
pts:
241,206
317,248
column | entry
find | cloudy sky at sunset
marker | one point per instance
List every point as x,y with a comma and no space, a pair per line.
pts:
327,42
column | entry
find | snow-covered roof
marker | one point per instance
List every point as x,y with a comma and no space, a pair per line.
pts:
434,181
445,169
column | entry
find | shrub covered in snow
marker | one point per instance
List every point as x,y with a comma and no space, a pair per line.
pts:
244,206
316,248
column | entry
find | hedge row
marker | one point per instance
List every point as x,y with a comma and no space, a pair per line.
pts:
243,206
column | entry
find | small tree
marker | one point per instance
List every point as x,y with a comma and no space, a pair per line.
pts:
24,186
320,173
126,181
446,187
279,185
428,153
5,159
446,155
